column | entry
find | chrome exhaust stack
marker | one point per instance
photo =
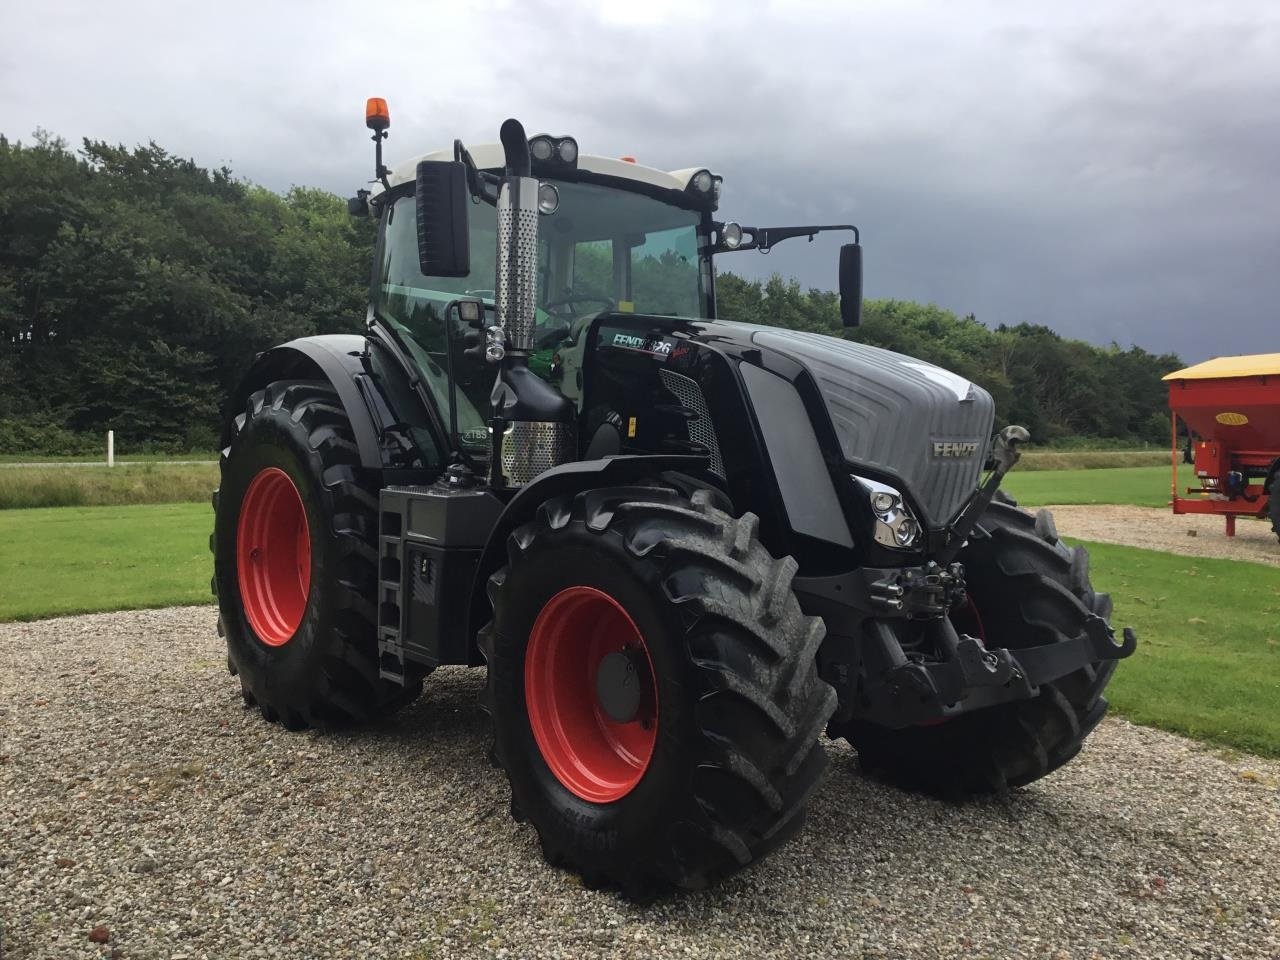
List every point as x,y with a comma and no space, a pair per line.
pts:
533,427
515,292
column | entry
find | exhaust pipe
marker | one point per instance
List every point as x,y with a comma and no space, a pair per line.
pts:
517,261
533,426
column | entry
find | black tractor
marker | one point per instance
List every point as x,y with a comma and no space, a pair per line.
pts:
684,548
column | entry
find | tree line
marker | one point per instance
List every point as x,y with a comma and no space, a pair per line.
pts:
136,287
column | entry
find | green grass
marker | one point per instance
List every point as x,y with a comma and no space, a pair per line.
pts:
83,559
101,455
1207,664
24,487
1208,657
1050,459
1141,486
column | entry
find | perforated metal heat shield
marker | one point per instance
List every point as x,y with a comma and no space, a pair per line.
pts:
517,262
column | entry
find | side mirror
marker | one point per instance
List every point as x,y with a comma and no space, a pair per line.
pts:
442,195
851,284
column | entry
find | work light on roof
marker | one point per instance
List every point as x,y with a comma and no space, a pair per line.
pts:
702,182
542,148
545,148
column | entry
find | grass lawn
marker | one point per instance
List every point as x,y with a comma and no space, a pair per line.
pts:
1141,486
1208,657
81,559
53,486
101,455
1207,664
1046,458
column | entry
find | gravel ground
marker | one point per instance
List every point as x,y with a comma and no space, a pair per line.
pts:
1160,529
144,805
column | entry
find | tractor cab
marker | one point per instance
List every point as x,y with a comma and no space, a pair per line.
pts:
613,237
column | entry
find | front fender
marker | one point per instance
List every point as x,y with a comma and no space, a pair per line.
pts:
564,480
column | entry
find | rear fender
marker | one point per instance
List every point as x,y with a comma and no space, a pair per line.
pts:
372,403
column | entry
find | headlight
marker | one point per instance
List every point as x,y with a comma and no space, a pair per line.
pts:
883,501
731,235
895,525
548,198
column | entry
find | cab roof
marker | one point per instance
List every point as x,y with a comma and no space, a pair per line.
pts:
1221,368
490,156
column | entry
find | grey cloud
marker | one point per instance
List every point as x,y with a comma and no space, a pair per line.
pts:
1107,170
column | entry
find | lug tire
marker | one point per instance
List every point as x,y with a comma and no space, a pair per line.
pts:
740,706
326,672
1030,588
1274,506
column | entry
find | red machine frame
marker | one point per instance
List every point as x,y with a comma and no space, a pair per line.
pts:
1232,405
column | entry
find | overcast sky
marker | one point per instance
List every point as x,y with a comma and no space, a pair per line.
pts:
1107,169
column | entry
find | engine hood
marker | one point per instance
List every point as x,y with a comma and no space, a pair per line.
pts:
897,415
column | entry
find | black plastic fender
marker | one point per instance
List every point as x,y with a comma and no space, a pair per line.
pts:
336,358
568,478
372,401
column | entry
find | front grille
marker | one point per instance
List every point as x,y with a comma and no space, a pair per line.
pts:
700,429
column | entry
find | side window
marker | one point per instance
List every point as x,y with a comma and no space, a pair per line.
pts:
593,269
404,294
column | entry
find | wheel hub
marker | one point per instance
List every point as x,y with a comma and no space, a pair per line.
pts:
590,694
618,685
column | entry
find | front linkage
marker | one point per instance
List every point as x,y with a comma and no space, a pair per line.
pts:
901,689
941,672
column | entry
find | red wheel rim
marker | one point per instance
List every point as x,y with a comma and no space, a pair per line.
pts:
273,556
592,755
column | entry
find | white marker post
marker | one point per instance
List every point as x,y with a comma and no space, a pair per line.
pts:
111,448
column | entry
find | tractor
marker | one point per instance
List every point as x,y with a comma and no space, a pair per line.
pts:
684,548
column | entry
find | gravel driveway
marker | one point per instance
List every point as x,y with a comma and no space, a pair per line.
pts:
1192,535
142,803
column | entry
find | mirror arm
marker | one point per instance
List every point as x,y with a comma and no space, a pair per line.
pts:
765,239
483,185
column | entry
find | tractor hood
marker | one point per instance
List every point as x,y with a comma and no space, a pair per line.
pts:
898,416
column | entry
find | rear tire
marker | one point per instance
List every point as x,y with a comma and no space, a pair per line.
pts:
1029,588
738,705
319,666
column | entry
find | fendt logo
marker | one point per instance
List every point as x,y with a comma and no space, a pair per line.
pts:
657,347
955,448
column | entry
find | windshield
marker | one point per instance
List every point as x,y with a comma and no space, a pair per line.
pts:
603,249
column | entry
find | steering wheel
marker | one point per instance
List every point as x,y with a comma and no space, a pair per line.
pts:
551,305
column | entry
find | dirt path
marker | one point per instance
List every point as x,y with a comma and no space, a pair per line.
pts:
1159,529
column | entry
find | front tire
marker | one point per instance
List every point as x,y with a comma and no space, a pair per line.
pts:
295,557
1027,588
1274,506
729,707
